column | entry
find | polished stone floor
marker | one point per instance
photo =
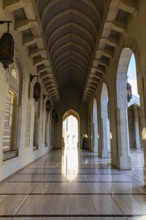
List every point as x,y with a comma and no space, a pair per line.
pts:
75,185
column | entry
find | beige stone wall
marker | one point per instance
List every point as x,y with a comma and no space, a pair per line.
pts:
26,105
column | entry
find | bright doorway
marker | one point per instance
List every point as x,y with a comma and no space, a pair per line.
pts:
70,134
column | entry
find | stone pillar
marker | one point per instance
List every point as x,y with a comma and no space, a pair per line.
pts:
95,135
4,77
136,126
92,137
105,129
1,135
113,132
124,158
142,93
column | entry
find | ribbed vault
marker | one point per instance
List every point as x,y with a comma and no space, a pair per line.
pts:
71,28
70,43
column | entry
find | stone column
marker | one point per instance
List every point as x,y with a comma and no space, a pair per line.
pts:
95,141
4,78
142,93
124,158
92,137
136,125
113,132
105,129
1,135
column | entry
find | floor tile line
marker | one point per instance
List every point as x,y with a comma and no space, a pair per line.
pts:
22,204
71,215
33,193
59,181
82,174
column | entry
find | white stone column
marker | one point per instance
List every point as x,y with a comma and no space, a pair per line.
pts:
1,135
105,129
142,92
123,134
136,125
4,78
92,137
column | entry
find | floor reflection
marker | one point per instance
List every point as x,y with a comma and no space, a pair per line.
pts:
70,163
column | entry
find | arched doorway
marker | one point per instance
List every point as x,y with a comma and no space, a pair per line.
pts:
126,58
70,143
105,122
70,130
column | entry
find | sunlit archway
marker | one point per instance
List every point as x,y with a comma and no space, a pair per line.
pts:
70,129
70,143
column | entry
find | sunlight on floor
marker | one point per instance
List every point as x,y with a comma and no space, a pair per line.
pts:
70,163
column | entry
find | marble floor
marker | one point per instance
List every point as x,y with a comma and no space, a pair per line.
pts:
75,185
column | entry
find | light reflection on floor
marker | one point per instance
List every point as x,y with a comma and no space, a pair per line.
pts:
70,163
75,184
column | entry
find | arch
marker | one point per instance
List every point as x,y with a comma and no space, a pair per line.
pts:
122,73
122,105
75,54
49,5
122,117
73,113
133,46
68,24
67,12
58,51
105,122
134,101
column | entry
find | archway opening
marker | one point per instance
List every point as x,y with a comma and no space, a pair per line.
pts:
127,74
134,115
70,143
70,130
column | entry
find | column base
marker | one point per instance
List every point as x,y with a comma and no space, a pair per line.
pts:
105,153
94,150
138,147
125,162
115,163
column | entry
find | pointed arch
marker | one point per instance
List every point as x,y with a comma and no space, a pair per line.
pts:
66,115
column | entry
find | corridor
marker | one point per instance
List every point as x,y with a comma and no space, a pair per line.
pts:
76,185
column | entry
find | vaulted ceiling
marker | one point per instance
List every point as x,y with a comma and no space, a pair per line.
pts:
70,29
71,42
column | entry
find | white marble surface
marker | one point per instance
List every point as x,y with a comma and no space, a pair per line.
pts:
91,189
